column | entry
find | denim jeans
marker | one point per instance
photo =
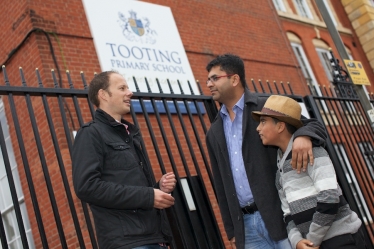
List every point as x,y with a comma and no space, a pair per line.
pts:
153,246
256,235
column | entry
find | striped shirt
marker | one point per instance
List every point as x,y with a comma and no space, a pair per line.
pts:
312,201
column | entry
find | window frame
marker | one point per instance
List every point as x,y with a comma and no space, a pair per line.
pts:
279,5
331,14
326,64
305,68
303,9
7,207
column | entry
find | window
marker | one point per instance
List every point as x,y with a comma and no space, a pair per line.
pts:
6,205
324,55
303,9
329,10
279,5
351,178
305,68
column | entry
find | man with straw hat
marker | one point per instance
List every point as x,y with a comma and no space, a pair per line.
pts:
315,211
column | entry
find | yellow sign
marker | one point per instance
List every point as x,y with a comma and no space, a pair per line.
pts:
357,72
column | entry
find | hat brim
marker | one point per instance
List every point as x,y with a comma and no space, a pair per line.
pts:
292,121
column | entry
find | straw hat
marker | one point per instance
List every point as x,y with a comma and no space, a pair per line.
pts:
282,108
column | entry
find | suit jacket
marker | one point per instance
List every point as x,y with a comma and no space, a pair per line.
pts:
260,165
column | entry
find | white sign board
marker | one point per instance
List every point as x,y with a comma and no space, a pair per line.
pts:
371,115
304,111
139,40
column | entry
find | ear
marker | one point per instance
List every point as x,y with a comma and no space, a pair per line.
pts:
236,80
281,126
102,95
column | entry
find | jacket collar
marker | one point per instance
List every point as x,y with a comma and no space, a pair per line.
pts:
105,118
249,97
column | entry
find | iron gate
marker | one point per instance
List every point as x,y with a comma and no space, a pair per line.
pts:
351,149
38,124
38,208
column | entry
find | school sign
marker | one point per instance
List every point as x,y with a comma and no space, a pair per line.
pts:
139,40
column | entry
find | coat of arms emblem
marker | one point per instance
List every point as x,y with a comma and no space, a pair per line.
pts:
136,24
137,29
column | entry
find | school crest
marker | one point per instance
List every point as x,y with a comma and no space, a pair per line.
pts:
137,29
136,24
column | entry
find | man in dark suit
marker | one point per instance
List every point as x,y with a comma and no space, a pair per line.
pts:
244,170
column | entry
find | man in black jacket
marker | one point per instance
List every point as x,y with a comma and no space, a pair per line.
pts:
110,172
243,169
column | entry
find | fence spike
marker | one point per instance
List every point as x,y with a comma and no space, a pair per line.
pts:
40,83
271,90
284,89
276,87
54,78
190,87
254,85
180,87
289,86
23,80
136,84
147,84
83,80
69,80
159,86
262,87
6,79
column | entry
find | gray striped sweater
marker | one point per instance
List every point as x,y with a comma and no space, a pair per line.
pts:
312,201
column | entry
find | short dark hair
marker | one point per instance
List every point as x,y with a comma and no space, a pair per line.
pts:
290,128
231,64
100,81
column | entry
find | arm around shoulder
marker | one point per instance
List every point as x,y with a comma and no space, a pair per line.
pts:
313,129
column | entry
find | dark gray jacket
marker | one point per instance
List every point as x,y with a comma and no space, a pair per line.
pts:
260,164
112,175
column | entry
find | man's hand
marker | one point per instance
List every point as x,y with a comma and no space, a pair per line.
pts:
306,244
162,200
167,182
232,242
301,152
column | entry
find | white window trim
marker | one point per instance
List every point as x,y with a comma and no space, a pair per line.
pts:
9,209
308,67
330,12
305,6
324,62
280,5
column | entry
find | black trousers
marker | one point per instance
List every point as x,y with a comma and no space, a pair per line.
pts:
346,241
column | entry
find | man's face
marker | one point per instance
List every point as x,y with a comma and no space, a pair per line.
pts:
267,129
220,87
119,95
